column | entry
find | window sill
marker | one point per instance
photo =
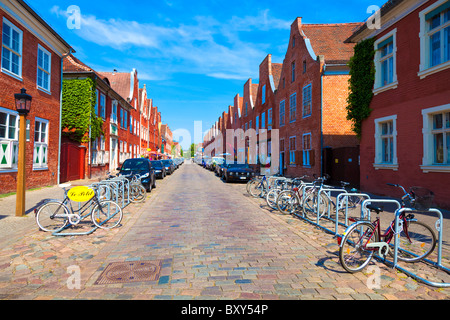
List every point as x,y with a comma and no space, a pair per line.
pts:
384,166
387,87
40,169
15,76
435,168
44,90
440,67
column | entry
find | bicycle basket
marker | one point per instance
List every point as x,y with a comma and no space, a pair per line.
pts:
423,198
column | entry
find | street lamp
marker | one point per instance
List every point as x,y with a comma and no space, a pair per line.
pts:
23,106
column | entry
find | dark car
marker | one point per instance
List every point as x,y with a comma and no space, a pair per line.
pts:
237,172
219,169
160,169
141,167
170,168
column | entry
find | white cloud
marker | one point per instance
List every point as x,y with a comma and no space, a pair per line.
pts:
206,46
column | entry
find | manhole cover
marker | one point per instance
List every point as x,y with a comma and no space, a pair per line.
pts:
127,272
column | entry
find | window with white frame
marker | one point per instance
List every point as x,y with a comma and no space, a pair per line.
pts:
436,135
12,44
44,69
435,38
292,150
257,124
282,112
114,112
307,101
307,149
263,120
40,144
102,106
263,94
269,119
385,62
293,107
386,143
9,138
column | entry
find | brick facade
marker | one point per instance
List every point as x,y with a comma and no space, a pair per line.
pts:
45,104
406,104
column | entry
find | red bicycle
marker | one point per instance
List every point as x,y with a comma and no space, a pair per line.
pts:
361,240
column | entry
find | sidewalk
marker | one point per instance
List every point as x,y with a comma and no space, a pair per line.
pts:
12,225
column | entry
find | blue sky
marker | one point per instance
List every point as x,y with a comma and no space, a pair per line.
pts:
194,56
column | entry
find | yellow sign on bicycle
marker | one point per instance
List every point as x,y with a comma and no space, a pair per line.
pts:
81,194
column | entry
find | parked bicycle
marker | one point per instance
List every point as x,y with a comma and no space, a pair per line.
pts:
318,204
55,215
363,239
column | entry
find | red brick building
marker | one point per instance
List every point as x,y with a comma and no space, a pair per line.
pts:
102,154
406,139
305,98
127,86
311,98
31,58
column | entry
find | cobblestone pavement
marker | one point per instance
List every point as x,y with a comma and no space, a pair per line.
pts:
210,240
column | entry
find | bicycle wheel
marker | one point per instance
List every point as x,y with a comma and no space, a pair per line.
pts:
416,241
107,214
52,217
312,204
288,202
137,193
353,254
271,198
255,188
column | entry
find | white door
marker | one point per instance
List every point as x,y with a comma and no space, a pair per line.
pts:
114,155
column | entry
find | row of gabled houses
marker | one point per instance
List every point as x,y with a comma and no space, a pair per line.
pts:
406,138
77,128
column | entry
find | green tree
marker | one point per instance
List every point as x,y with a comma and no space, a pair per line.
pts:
362,79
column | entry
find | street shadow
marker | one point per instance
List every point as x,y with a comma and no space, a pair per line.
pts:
331,263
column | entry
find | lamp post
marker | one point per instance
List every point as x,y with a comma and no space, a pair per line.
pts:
23,106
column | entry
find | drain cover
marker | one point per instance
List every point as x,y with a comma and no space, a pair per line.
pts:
127,272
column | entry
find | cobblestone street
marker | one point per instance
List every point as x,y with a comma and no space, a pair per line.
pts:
208,240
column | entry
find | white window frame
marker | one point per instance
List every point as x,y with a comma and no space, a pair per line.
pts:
428,143
114,112
293,108
292,160
48,72
378,86
20,53
263,94
12,145
282,113
307,150
42,146
307,100
425,68
102,104
378,162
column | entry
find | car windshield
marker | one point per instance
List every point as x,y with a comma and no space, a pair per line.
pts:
239,166
167,162
219,160
155,164
135,165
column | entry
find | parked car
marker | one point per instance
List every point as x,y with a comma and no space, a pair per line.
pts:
160,169
219,169
237,172
168,164
216,161
140,167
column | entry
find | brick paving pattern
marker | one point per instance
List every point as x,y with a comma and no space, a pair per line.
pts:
212,242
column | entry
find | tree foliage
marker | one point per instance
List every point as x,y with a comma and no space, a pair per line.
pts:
78,110
362,79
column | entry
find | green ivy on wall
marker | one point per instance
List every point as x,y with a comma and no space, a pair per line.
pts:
362,79
78,110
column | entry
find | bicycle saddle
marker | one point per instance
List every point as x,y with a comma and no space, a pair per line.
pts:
374,208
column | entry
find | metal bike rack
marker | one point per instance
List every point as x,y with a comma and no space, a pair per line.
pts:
437,264
338,200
